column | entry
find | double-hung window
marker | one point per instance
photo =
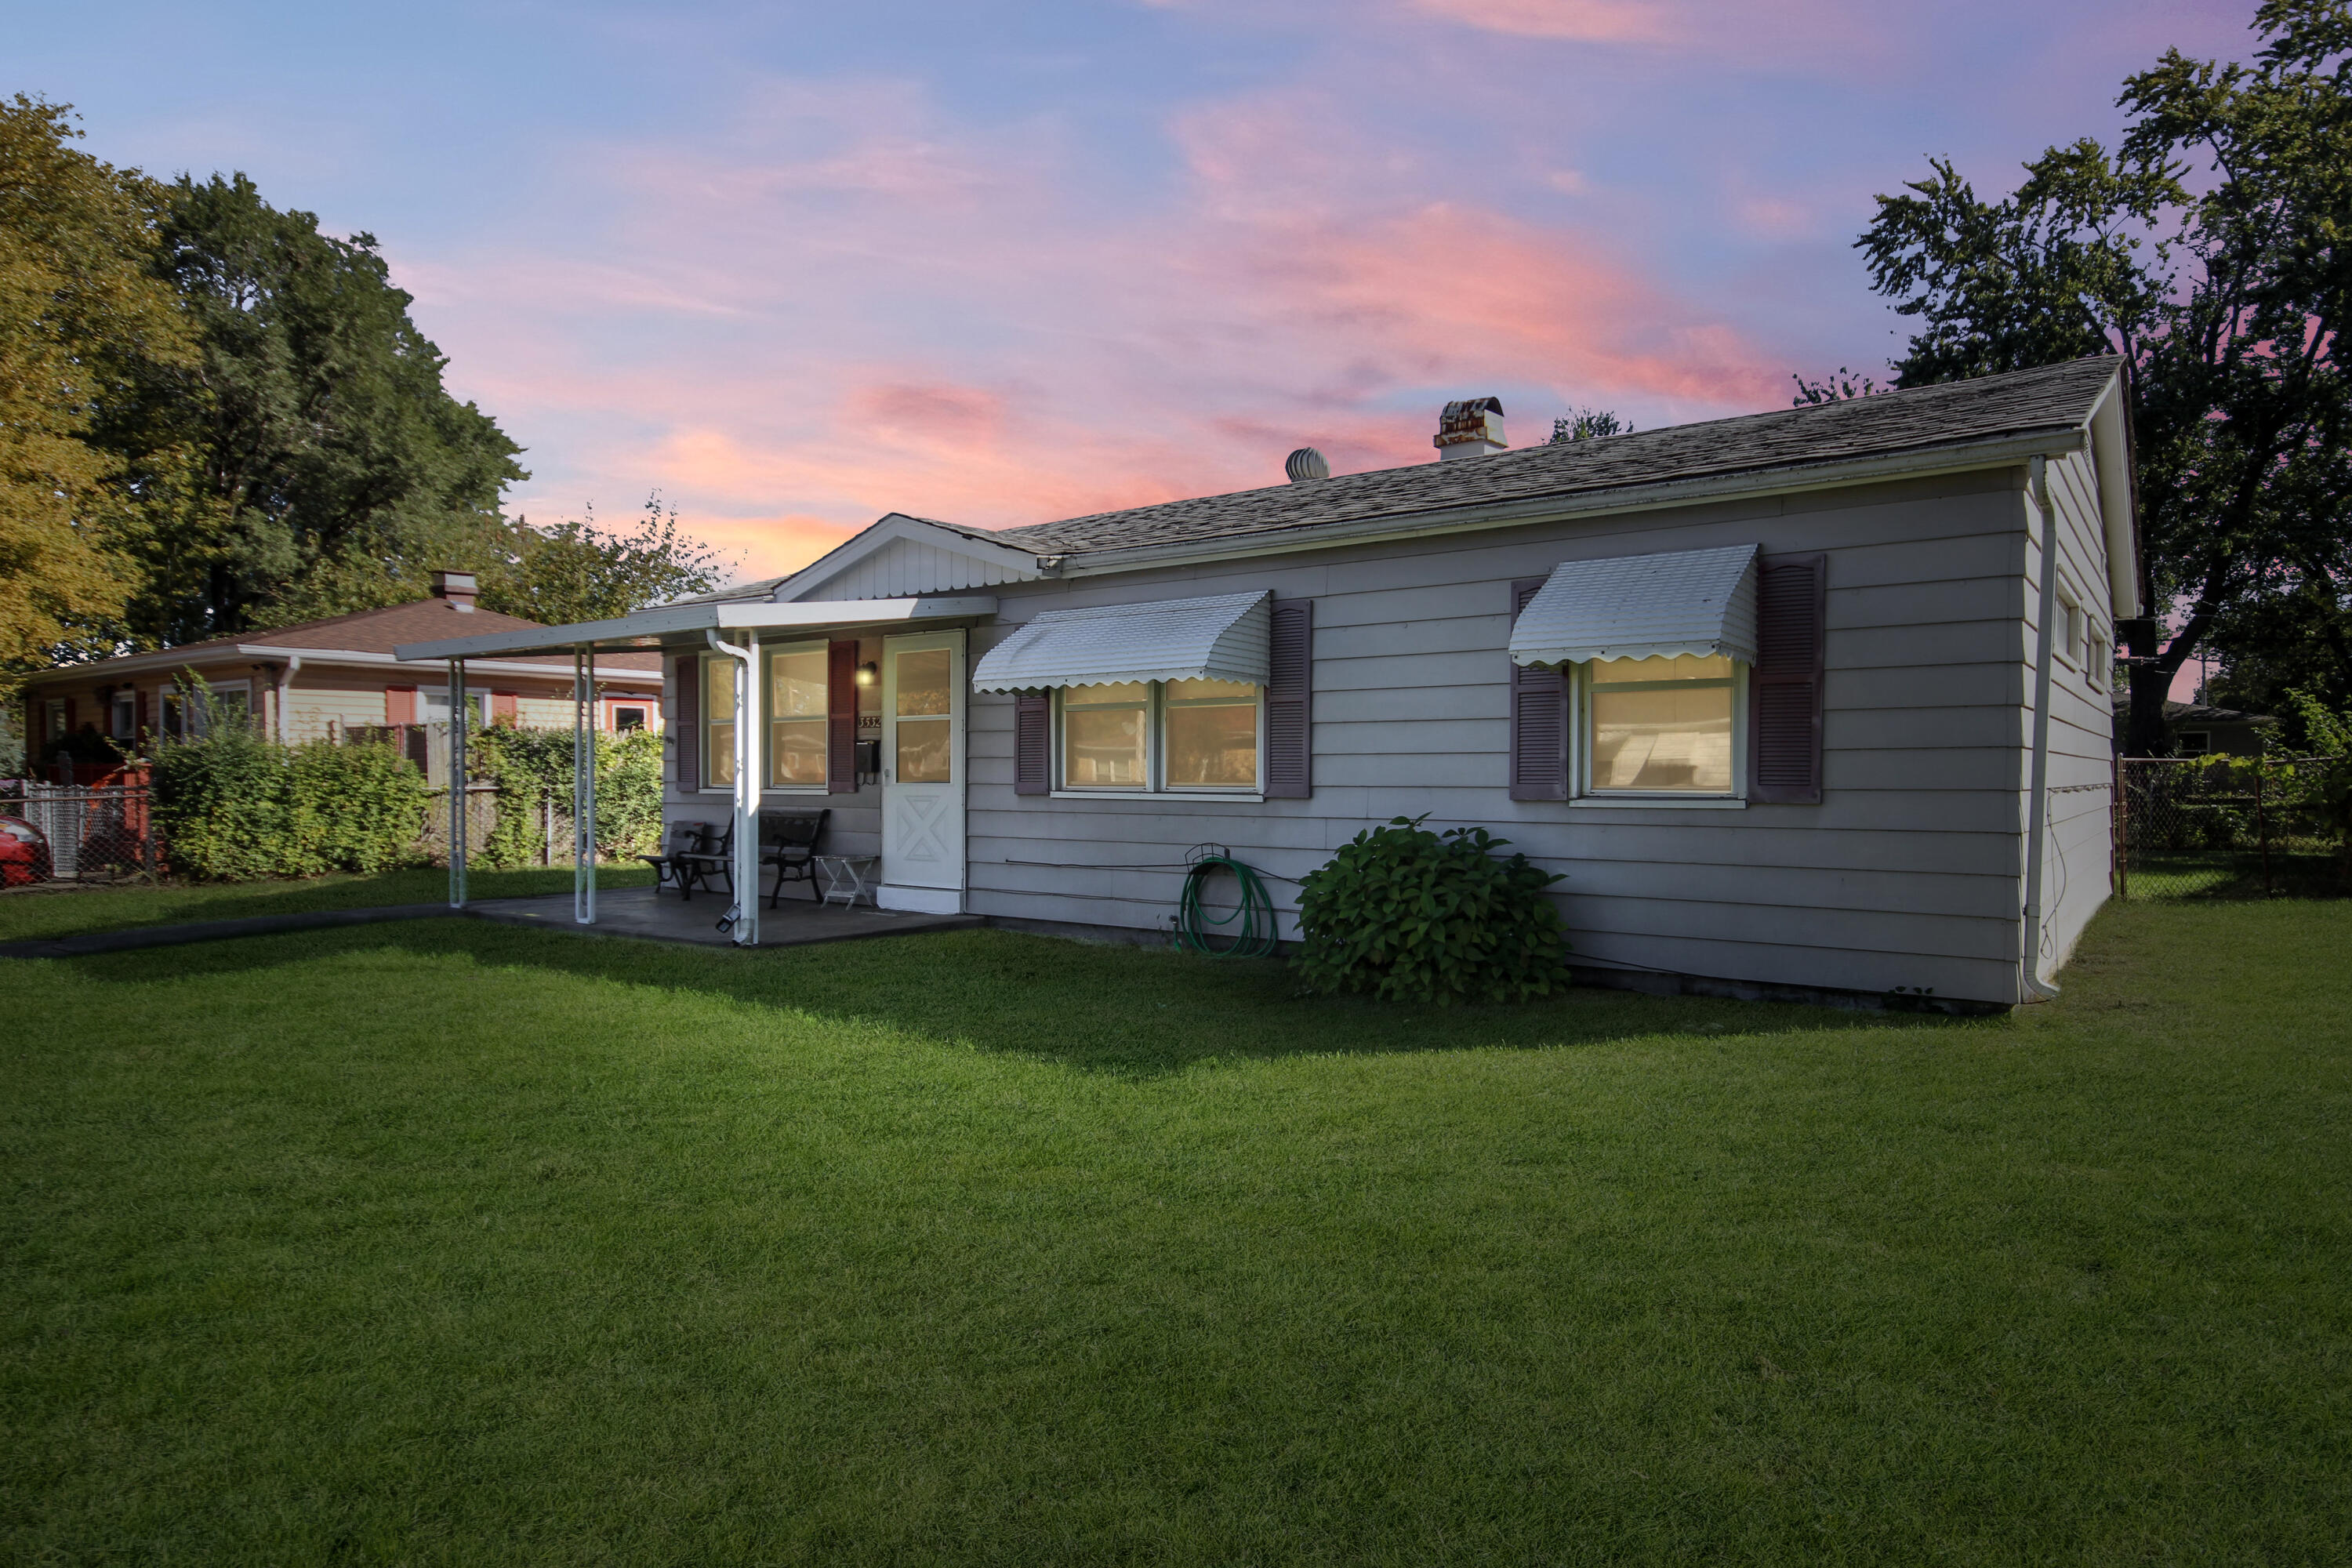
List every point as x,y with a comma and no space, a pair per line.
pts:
793,751
1172,735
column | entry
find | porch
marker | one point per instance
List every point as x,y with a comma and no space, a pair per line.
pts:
660,915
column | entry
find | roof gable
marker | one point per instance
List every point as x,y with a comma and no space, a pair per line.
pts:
900,555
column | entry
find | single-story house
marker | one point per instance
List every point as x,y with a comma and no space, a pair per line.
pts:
2199,729
322,679
1802,703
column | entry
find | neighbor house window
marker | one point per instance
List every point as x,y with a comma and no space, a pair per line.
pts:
55,728
796,717
628,719
1662,725
1171,735
125,710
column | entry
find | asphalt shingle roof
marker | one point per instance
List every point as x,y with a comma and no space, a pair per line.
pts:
2053,397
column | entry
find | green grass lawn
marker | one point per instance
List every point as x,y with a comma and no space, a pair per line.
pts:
47,912
453,1242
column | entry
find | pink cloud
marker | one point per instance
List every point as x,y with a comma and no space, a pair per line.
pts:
1589,21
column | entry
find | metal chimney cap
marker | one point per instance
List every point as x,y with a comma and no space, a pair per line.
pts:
1305,463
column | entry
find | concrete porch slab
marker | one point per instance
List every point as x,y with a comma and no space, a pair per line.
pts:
639,912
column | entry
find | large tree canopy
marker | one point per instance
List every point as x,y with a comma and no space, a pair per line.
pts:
85,327
2209,250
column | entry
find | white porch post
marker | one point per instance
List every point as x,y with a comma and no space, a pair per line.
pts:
583,786
745,915
457,783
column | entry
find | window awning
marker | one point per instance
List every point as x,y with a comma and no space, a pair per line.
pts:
1698,602
1224,638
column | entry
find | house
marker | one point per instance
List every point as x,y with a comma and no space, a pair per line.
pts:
2197,729
1811,702
322,679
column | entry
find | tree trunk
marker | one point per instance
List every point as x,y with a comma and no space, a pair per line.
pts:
2144,732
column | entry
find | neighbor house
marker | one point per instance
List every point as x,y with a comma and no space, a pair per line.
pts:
1807,702
2199,729
321,679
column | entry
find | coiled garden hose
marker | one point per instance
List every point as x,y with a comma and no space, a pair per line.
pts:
1253,916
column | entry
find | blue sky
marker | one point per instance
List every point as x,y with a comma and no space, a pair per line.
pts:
800,265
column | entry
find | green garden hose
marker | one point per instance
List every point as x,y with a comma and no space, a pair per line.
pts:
1253,913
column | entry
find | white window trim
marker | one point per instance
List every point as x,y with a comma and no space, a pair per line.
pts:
767,652
1580,729
1156,786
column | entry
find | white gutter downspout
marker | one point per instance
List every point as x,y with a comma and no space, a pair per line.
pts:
743,919
284,694
2033,987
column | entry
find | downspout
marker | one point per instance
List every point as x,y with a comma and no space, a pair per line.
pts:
284,694
2033,987
743,923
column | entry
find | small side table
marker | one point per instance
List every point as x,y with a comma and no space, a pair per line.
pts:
848,877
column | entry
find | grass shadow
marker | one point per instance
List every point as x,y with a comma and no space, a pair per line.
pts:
1100,1008
29,913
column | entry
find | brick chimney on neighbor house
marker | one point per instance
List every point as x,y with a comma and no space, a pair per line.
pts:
1471,428
457,587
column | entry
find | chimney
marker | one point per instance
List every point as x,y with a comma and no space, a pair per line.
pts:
457,587
1471,428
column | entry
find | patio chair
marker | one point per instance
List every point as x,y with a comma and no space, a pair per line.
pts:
714,857
789,841
681,839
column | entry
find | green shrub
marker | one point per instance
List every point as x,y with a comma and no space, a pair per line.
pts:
235,807
529,765
1411,915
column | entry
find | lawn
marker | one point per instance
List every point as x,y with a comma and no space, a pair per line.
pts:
446,1241
27,913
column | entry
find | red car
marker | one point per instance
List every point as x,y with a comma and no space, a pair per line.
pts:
24,853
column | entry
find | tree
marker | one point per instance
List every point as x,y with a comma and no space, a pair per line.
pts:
2206,251
577,571
1586,423
84,324
337,471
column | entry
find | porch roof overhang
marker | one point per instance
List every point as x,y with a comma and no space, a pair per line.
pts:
171,661
687,624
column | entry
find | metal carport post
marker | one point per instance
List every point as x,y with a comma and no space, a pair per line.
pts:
744,917
583,784
457,783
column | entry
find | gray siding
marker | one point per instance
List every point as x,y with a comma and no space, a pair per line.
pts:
1906,875
2078,858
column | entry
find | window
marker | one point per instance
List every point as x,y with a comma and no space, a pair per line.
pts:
123,711
1663,725
925,688
718,680
2193,743
2072,632
56,727
188,714
1173,736
628,719
796,717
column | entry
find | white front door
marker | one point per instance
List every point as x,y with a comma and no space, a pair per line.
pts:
922,773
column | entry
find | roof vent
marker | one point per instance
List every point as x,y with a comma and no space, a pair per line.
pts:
1305,463
457,587
1471,428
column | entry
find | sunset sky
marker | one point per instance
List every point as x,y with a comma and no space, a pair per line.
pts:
800,265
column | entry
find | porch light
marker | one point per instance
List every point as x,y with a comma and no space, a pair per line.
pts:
869,673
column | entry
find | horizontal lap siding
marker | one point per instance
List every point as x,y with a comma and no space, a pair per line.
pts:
1906,874
2078,859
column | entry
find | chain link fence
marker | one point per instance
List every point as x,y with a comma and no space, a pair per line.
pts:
2235,828
95,833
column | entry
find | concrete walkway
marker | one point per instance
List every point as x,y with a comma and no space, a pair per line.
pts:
620,911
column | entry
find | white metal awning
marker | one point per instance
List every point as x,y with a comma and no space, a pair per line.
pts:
1223,638
1642,606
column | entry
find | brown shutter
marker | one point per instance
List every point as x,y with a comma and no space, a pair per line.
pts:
1784,692
840,717
400,705
1538,718
1290,701
70,716
1033,742
138,710
685,675
505,705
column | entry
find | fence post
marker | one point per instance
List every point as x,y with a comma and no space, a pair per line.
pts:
2123,831
2262,822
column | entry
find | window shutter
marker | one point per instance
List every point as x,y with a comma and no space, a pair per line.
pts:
70,716
505,705
1290,701
1784,696
1538,718
139,713
1033,742
686,678
400,705
840,717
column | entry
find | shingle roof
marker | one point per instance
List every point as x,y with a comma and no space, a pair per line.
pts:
2056,396
384,630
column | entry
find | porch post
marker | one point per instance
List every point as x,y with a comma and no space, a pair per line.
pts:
744,929
457,783
584,787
